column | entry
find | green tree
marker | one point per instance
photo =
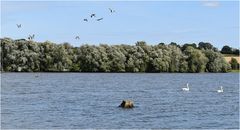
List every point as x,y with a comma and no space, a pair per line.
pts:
196,60
116,59
205,46
216,62
89,58
47,56
226,50
187,45
234,64
236,52
28,56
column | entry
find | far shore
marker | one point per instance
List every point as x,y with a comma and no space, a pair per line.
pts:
229,58
235,71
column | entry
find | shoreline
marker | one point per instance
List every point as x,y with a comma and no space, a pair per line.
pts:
232,71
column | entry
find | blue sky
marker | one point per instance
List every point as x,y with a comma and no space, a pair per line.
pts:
154,22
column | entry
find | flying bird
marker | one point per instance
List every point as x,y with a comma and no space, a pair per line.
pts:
77,37
85,20
19,25
111,10
99,19
93,15
30,37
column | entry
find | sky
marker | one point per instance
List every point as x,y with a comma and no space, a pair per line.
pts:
182,22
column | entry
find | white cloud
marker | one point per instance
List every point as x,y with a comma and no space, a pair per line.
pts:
209,3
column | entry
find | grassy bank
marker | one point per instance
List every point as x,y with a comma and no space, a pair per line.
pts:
235,71
230,55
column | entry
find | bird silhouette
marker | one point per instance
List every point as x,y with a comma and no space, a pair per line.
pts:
99,19
111,10
77,37
30,37
19,25
85,20
93,15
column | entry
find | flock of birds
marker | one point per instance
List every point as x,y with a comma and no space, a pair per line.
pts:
99,19
94,16
188,89
31,37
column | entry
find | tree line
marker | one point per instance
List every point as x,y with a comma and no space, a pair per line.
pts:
29,56
229,50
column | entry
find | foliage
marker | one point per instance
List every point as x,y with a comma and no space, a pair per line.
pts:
188,44
29,56
207,46
196,60
216,62
234,64
229,50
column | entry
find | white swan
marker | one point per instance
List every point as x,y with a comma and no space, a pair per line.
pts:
220,90
186,89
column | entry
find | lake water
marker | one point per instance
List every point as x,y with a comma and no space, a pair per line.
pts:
90,100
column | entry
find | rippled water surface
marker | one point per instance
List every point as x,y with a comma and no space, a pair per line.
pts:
90,100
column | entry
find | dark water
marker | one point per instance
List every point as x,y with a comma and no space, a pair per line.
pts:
82,100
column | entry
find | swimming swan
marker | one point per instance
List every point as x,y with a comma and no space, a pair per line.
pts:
186,89
220,90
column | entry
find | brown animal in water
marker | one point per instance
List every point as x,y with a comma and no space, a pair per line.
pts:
126,104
